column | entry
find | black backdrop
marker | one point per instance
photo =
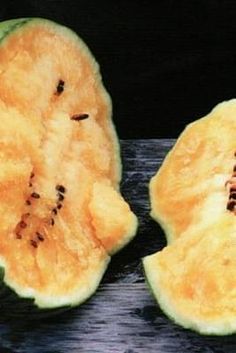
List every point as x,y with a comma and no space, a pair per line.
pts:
164,63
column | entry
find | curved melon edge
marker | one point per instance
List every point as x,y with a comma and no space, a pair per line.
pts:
41,301
155,213
157,216
107,97
152,280
8,28
151,271
127,238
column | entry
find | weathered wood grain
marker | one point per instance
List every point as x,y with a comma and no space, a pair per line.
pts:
118,319
122,317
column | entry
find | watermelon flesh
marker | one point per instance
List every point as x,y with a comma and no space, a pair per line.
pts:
193,279
193,196
190,187
62,213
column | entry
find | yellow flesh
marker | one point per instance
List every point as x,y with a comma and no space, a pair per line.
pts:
194,278
37,135
190,185
119,224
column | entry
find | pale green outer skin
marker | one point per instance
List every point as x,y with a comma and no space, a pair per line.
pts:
9,28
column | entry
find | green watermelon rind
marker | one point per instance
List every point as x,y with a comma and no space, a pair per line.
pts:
8,27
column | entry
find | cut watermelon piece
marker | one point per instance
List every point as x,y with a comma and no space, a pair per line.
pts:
61,210
193,196
194,278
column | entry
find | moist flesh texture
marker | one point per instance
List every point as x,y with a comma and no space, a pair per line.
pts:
189,188
194,278
59,153
193,196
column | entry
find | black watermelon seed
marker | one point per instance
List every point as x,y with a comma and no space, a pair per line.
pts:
33,243
61,188
61,197
22,224
35,195
230,205
60,87
78,117
40,236
54,210
232,195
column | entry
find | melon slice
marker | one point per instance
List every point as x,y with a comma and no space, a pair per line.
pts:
192,187
193,196
61,211
194,278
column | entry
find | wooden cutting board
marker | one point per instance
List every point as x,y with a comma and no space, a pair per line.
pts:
122,317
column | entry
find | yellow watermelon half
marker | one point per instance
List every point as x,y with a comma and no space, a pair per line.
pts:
193,196
61,213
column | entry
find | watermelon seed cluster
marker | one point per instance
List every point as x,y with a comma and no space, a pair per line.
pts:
59,188
23,222
60,197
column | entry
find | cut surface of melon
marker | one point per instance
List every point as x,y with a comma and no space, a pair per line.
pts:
194,279
190,185
59,166
193,196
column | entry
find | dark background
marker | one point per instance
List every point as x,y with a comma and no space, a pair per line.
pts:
164,63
